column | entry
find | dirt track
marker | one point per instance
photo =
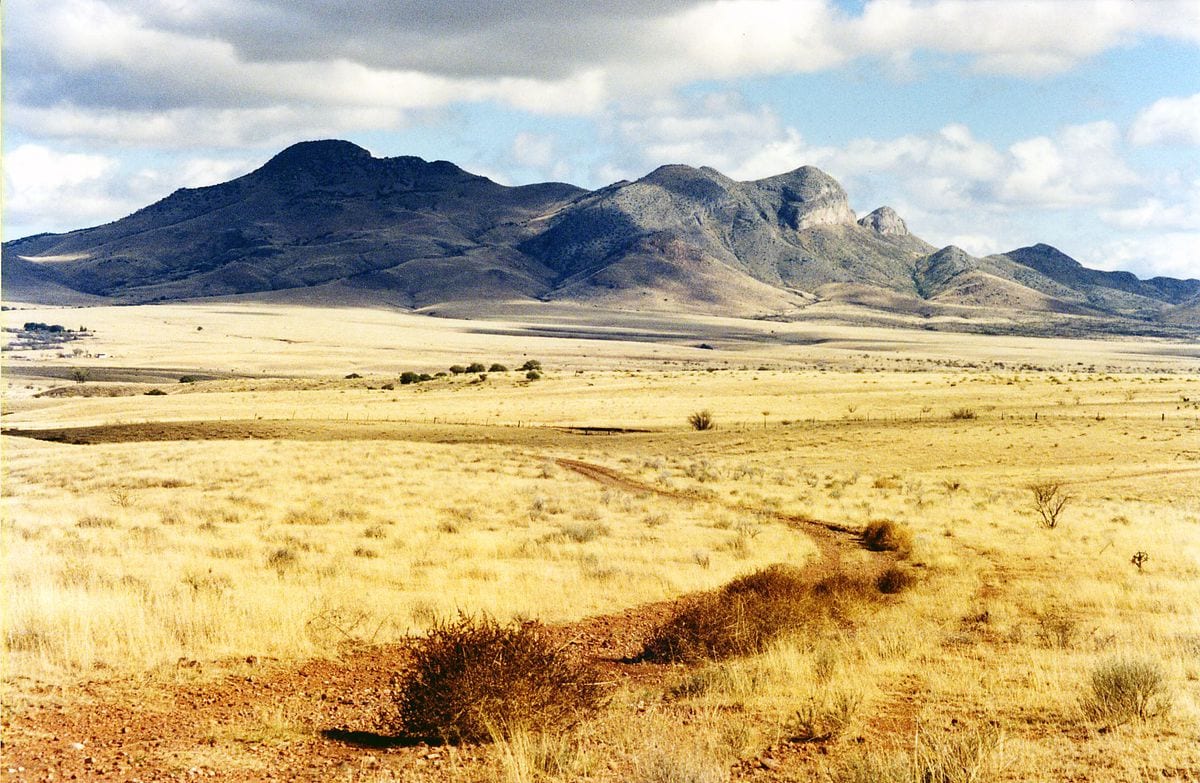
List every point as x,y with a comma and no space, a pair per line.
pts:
180,727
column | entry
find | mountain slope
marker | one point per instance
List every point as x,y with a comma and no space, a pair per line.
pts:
416,233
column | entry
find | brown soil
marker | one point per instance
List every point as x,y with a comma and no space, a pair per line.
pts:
319,720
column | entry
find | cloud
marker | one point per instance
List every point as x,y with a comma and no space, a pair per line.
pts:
1172,254
370,65
1155,213
53,190
1081,165
1168,121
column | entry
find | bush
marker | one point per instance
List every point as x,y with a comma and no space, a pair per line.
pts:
473,679
884,535
701,420
188,378
962,414
532,364
353,376
1049,500
156,393
497,367
476,367
895,580
409,377
751,612
532,375
1125,690
457,369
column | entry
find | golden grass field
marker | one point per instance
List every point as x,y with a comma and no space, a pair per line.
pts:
303,512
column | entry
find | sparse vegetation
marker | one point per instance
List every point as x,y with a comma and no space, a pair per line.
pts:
701,420
1124,690
1049,500
963,414
473,679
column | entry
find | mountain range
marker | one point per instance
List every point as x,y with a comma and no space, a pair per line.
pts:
325,215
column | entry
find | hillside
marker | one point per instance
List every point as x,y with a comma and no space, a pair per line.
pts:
411,233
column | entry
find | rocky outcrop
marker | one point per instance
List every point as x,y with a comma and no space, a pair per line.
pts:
885,221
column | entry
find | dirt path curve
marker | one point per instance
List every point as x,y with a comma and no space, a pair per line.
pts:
831,538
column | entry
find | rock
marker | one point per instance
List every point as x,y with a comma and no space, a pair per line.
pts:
885,221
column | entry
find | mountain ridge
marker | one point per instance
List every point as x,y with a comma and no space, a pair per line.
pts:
420,233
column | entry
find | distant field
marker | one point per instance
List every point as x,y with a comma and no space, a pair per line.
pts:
273,509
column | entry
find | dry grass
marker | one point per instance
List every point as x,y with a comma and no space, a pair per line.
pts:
120,557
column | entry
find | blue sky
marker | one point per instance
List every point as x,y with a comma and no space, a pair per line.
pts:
991,124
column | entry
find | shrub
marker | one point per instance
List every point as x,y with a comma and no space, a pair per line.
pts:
532,375
476,367
582,532
702,420
473,679
188,379
820,721
884,535
752,611
1057,626
156,393
497,367
281,559
532,364
895,580
1049,500
408,377
353,376
457,369
962,414
1125,690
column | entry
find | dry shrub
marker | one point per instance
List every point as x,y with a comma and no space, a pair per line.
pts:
752,611
702,420
1126,690
884,535
895,580
473,679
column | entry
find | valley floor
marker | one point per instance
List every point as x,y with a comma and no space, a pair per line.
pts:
219,580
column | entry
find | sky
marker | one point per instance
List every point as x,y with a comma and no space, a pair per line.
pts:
989,124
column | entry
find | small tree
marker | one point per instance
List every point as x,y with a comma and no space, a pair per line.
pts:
532,364
1049,500
702,420
80,374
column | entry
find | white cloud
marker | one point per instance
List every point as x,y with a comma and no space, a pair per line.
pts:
1155,213
1168,121
52,190
1081,165
113,58
1173,254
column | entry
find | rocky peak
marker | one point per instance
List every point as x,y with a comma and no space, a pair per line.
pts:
317,156
885,221
806,197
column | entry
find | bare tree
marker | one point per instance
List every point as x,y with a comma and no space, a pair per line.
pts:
1049,500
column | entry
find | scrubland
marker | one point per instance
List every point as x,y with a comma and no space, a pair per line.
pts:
322,515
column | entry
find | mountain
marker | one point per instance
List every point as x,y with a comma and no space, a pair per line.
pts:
327,214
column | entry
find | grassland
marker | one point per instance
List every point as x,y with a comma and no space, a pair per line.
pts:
281,512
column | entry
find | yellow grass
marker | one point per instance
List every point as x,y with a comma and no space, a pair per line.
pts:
122,556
